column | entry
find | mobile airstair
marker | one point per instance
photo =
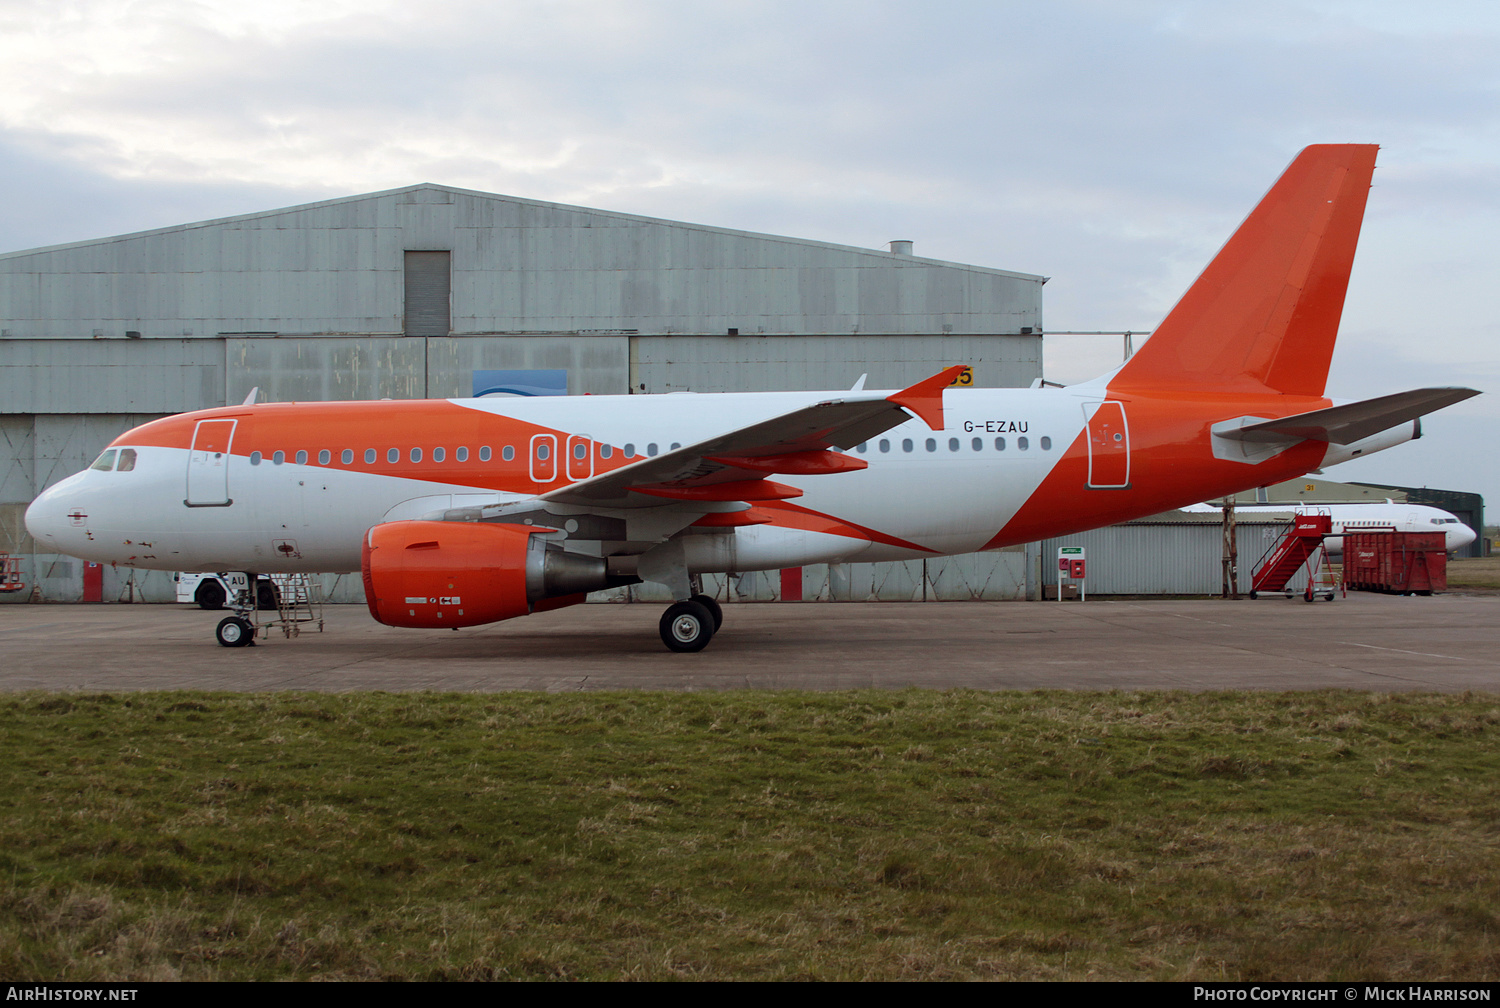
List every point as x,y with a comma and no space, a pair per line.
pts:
299,605
1300,546
10,573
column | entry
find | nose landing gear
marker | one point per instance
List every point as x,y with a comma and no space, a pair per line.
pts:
235,632
292,601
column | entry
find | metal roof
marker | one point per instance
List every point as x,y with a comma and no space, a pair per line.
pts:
518,265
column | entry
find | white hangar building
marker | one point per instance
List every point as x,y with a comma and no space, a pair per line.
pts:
427,291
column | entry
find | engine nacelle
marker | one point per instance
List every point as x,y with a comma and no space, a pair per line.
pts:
1389,438
453,574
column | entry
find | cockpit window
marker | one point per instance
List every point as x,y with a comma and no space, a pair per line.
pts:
105,462
127,460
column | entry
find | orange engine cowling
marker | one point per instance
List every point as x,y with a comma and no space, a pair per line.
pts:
454,574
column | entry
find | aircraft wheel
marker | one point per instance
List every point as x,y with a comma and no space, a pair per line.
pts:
210,595
266,596
1254,595
234,632
714,609
687,626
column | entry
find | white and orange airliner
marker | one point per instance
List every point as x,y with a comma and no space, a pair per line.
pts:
461,512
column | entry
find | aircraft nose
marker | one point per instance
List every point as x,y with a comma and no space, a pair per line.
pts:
47,519
1461,537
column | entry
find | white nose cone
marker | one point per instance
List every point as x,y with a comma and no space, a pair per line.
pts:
1460,537
55,521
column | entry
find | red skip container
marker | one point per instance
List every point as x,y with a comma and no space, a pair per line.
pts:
1399,563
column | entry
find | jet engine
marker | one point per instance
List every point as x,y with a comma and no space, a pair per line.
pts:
1389,438
453,574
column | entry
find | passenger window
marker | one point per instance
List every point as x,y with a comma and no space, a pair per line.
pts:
1022,444
507,453
105,462
629,450
978,444
255,458
369,456
862,447
278,458
347,456
416,454
676,445
484,452
462,454
953,444
651,449
931,444
999,444
1046,443
302,458
127,460
580,450
605,451
438,455
906,444
885,445
393,455
541,450
325,457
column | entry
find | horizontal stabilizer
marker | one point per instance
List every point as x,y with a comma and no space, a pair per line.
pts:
1353,421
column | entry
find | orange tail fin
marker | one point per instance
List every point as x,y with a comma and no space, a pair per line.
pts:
1264,314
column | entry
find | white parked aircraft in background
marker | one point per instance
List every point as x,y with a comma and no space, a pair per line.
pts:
461,512
1389,516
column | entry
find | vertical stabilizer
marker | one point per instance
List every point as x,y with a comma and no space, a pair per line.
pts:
1264,314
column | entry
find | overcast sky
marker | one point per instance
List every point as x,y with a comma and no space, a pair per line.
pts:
1111,146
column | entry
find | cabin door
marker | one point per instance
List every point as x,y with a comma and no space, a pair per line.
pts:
1109,446
208,464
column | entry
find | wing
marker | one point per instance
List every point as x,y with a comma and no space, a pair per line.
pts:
734,466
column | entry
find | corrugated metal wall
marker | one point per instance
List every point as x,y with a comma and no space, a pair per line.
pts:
1143,558
995,576
111,376
767,363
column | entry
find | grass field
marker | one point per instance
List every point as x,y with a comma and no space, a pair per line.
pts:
869,835
1474,572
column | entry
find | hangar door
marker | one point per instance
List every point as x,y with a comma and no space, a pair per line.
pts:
429,293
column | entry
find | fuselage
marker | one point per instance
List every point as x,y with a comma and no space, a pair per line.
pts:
294,486
1369,518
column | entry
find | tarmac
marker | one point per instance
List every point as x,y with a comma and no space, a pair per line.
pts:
1444,643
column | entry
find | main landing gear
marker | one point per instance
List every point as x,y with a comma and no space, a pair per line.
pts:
689,626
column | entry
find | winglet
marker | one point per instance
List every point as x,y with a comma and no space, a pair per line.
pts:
925,398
